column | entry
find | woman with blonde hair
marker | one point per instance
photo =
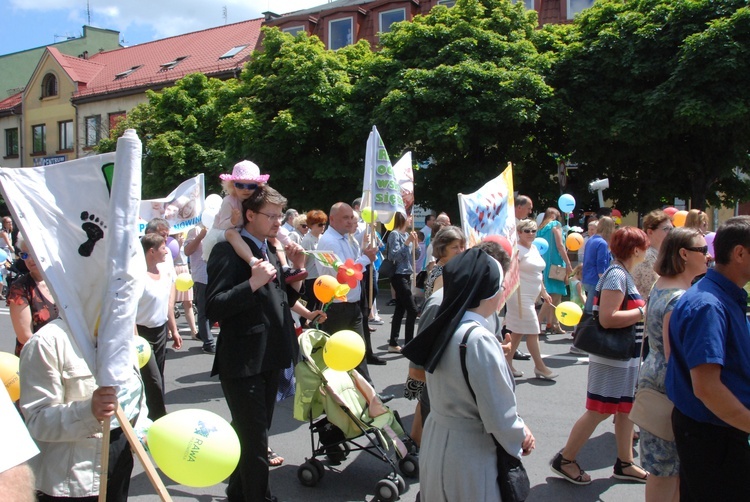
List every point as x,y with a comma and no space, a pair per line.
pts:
551,230
697,219
521,318
657,226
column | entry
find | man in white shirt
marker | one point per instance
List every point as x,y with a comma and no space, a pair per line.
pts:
346,315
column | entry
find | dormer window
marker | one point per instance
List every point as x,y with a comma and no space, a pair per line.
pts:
232,52
126,72
49,85
172,64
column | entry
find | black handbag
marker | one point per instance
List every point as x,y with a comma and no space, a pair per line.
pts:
387,266
612,343
511,474
421,279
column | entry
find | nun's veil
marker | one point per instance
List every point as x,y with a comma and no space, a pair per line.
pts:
468,278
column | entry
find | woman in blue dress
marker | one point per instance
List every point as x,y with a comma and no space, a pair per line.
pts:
551,231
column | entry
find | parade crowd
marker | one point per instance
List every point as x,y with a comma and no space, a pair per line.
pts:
675,288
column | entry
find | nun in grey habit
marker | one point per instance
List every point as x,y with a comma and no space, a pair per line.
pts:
458,461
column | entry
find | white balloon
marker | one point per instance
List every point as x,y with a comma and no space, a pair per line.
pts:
539,219
207,218
213,201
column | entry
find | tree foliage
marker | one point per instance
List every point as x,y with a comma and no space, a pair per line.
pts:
179,128
464,89
658,99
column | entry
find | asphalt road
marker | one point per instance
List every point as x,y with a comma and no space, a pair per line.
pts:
550,409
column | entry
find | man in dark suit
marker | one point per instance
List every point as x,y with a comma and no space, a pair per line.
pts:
257,339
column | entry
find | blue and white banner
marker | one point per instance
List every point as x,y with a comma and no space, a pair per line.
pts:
182,208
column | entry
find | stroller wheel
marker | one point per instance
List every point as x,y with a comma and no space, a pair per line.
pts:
308,474
409,466
400,483
319,466
386,490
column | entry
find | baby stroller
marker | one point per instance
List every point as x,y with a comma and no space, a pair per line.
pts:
352,410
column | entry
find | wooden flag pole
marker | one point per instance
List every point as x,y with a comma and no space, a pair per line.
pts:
140,452
105,460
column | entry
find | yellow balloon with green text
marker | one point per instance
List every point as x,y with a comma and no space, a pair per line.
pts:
568,313
9,375
142,351
183,282
344,350
194,447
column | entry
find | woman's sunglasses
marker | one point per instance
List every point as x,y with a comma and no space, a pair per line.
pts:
245,186
701,249
528,231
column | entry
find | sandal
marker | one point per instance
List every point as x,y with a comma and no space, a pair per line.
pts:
557,467
274,460
620,474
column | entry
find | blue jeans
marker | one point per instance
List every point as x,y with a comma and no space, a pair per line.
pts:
590,290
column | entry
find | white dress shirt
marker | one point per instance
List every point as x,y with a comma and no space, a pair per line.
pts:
344,247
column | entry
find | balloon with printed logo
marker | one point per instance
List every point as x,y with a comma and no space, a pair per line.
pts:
568,313
344,350
541,245
324,288
142,351
369,216
678,220
194,447
9,375
566,203
183,282
574,241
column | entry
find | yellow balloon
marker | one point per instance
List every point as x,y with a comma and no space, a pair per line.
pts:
142,351
368,215
574,241
344,350
183,282
194,447
341,291
9,375
568,313
679,217
392,223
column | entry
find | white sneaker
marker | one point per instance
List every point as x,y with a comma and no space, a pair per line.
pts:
394,349
376,320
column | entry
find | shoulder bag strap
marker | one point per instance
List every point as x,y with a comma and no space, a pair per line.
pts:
462,352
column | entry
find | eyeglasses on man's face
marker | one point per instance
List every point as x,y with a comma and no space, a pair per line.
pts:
272,217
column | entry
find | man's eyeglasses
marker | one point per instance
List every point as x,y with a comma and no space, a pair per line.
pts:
24,256
245,186
528,231
272,217
700,249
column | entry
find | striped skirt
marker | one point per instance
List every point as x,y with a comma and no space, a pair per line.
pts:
611,385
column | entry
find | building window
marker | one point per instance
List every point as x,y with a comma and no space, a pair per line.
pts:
294,30
38,139
125,73
66,135
93,127
172,64
447,3
529,4
387,18
340,33
576,6
115,118
49,85
232,52
11,142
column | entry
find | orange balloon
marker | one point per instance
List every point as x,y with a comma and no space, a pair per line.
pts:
679,217
325,288
574,241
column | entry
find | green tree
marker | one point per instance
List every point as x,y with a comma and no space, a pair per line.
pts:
464,88
658,99
290,118
179,128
